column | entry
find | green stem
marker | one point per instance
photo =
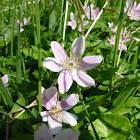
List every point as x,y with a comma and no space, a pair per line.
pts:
39,53
19,73
88,115
115,56
13,23
80,15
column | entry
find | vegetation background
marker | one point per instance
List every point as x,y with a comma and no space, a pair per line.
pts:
113,104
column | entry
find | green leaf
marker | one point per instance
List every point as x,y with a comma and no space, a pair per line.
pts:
6,36
112,127
125,93
52,19
20,101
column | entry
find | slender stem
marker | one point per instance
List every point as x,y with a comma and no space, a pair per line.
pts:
60,25
82,7
96,19
88,115
112,10
39,53
121,47
115,53
65,22
80,15
13,23
19,68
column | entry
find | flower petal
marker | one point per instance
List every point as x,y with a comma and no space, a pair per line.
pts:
90,62
44,115
78,46
72,17
25,21
65,81
58,51
55,125
67,134
52,64
97,11
123,47
83,79
85,23
72,24
5,80
17,22
21,30
68,118
49,97
69,101
42,132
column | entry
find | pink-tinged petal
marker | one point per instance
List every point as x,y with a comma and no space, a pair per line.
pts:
52,64
5,80
83,79
85,23
111,24
69,101
49,97
58,51
72,17
136,12
55,124
138,7
114,30
123,47
85,5
110,41
91,6
67,134
21,30
64,81
127,3
68,118
90,62
125,10
25,21
42,132
72,24
80,28
97,11
78,46
134,5
127,39
17,22
44,115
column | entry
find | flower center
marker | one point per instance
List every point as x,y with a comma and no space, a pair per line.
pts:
71,63
56,110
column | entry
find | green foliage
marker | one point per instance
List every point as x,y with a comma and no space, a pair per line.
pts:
112,105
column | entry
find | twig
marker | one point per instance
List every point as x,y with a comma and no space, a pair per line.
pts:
82,7
96,19
65,22
135,31
80,16
54,83
119,75
112,10
34,103
134,38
